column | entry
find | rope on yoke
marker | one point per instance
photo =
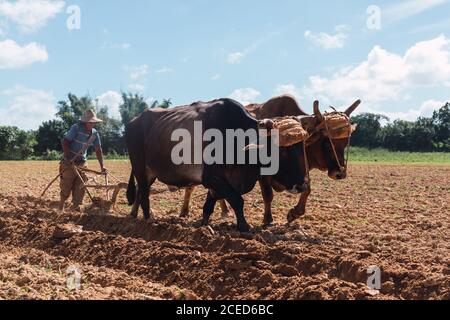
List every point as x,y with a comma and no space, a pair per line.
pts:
342,168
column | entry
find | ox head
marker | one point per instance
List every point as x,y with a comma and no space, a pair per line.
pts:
293,173
334,138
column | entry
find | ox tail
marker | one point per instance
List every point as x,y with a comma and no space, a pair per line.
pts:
131,191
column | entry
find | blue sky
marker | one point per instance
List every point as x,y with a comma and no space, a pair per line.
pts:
190,50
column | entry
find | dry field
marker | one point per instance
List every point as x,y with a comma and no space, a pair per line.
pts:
396,217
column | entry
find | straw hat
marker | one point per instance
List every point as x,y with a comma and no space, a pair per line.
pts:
90,117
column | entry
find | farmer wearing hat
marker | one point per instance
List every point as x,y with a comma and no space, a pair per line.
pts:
76,143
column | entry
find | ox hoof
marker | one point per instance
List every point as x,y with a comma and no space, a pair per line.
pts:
267,223
244,228
184,214
149,217
268,220
294,215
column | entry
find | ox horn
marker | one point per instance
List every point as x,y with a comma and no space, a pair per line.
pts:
317,112
352,108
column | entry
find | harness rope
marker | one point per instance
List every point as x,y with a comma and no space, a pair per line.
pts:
308,177
342,168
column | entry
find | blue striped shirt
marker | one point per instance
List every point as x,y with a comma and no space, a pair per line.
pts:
79,138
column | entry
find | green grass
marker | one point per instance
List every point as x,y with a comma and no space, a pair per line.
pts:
386,156
362,155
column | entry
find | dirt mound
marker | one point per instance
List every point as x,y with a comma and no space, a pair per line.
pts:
368,220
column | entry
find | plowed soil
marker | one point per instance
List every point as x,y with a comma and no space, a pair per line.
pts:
395,217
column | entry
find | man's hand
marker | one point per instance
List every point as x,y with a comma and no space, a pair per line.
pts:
99,153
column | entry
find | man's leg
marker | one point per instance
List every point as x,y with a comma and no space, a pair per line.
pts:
78,192
66,182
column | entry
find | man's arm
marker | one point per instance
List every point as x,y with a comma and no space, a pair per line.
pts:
66,149
99,153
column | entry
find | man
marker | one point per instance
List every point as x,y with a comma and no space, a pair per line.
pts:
75,146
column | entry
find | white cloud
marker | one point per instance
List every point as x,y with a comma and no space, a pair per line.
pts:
236,57
387,76
216,77
410,8
426,109
329,41
290,89
30,15
137,72
164,70
245,95
111,99
136,87
27,108
14,56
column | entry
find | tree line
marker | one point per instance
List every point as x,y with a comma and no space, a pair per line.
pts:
424,135
374,131
45,142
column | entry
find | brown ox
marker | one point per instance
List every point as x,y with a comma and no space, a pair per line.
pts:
325,152
150,147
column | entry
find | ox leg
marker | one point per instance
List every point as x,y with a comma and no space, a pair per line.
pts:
267,193
237,202
187,199
137,202
144,190
300,209
208,208
222,189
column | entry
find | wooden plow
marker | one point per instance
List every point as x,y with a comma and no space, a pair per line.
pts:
110,190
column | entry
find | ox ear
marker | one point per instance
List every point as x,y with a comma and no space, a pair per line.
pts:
352,108
354,127
308,123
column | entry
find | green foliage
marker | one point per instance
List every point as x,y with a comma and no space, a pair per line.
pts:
165,104
424,135
16,144
375,136
51,155
386,156
132,106
369,130
110,131
49,136
441,120
72,110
